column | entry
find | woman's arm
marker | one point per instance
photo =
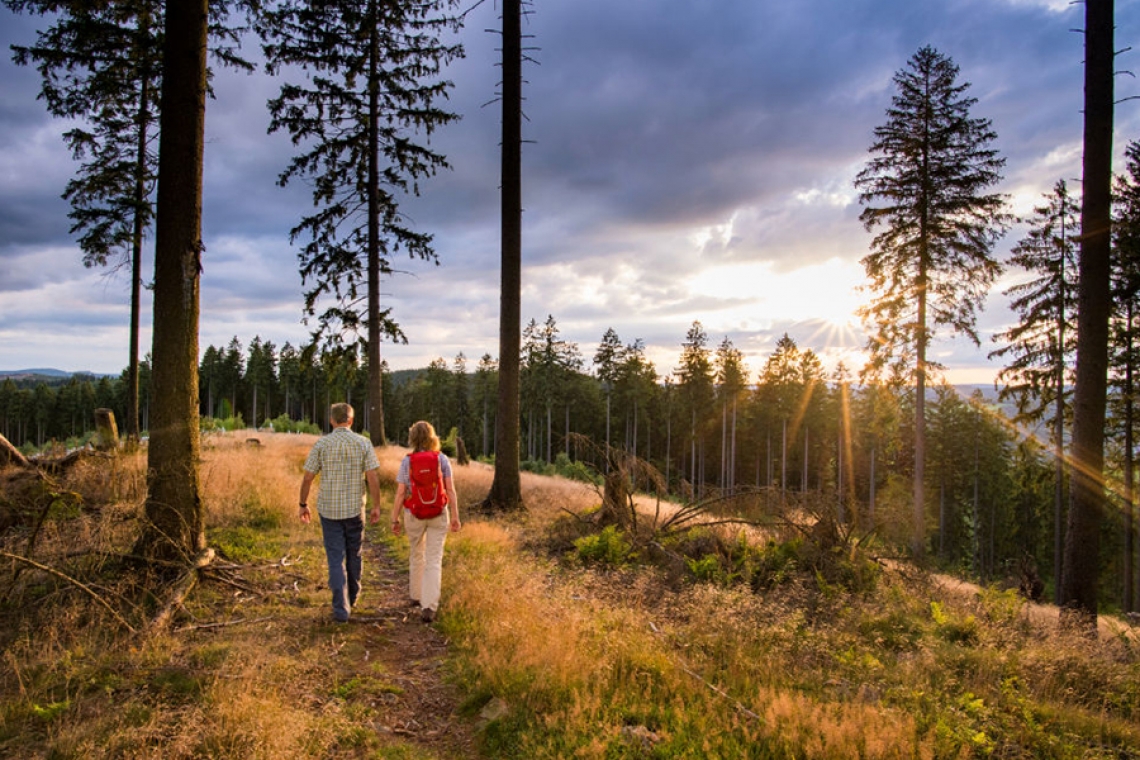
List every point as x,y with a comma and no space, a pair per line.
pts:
452,502
398,508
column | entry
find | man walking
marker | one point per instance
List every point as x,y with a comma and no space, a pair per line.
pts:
344,461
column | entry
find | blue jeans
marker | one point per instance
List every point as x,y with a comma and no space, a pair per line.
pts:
343,539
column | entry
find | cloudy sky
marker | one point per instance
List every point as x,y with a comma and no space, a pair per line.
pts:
690,160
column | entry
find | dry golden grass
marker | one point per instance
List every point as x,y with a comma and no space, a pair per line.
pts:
575,662
592,668
267,684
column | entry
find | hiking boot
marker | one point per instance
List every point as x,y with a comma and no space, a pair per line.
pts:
428,615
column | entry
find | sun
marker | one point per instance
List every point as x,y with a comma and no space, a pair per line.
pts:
826,292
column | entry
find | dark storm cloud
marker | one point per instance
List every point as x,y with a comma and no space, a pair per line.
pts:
668,137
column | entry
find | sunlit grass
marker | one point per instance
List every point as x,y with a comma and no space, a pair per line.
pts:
557,656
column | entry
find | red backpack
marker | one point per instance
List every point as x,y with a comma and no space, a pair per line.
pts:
426,494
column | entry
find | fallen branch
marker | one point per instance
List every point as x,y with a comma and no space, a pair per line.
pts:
740,708
223,624
9,454
217,575
78,584
181,590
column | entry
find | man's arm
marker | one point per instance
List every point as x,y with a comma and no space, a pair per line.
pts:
373,479
306,484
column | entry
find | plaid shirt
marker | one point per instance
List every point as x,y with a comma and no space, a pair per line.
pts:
341,457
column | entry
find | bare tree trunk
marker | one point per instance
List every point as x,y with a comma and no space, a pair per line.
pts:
1059,440
1129,472
506,489
174,528
375,418
9,454
1086,481
918,542
136,245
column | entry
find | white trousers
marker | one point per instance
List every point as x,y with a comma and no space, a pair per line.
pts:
425,539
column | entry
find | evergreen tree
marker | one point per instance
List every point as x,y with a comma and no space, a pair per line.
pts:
548,363
210,377
260,375
1125,356
506,488
461,395
695,390
606,360
373,84
232,371
731,380
289,376
175,524
1081,569
1042,343
635,384
101,66
790,392
930,264
486,381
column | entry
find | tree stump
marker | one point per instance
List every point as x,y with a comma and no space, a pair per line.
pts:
461,451
617,500
108,431
9,454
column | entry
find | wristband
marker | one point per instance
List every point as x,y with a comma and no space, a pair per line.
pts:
304,505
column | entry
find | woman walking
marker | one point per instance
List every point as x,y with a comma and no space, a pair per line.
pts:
425,507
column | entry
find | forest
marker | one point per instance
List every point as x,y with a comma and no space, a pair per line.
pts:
792,432
702,560
1035,483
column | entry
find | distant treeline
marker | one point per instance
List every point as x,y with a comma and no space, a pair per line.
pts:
792,432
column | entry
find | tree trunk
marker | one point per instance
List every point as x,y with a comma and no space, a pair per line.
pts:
136,245
375,416
918,542
1086,481
1129,472
9,454
108,430
1059,438
506,490
174,529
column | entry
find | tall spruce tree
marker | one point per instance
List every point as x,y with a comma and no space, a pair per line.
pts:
931,262
1041,345
1080,571
101,66
607,359
695,380
373,85
506,487
1125,356
731,382
175,525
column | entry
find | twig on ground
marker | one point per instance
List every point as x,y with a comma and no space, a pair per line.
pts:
78,584
221,624
739,706
180,590
219,576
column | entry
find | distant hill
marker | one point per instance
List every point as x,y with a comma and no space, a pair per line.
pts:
44,373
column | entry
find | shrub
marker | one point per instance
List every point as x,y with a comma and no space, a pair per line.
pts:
284,424
609,548
575,470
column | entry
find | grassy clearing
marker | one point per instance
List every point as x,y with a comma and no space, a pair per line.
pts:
583,652
563,641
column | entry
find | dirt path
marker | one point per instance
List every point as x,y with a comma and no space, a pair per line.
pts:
424,713
1043,615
